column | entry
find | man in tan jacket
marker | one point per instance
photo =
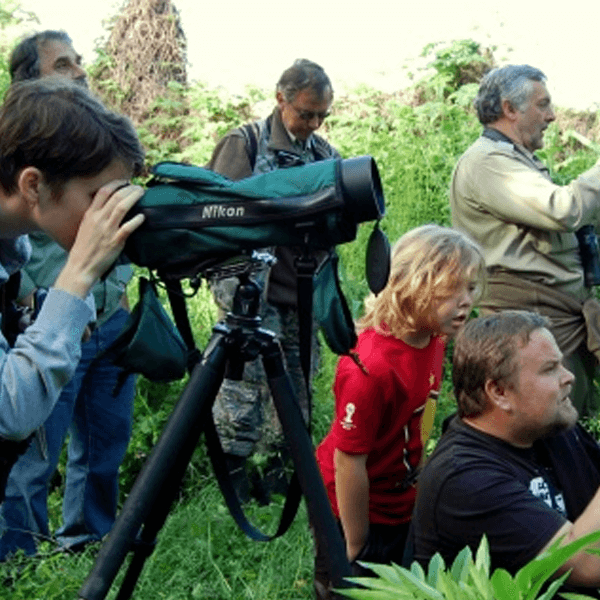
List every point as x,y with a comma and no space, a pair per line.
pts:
503,196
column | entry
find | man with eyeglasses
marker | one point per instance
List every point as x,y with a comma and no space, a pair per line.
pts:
284,139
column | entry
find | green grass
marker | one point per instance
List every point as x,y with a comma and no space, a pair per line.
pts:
200,554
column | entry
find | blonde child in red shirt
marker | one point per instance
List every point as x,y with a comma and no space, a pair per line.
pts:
385,404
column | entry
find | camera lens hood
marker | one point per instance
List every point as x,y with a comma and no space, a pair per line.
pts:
361,188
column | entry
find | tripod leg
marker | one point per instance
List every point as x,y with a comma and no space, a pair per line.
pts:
170,455
145,543
301,448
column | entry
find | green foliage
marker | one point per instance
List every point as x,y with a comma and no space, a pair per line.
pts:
55,577
415,149
564,154
212,114
4,76
112,93
470,579
7,10
201,554
11,14
161,130
460,63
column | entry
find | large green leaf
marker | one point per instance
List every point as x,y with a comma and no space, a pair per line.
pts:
553,587
417,570
359,594
480,571
387,572
460,566
534,574
420,585
482,558
504,585
436,566
379,589
453,590
482,583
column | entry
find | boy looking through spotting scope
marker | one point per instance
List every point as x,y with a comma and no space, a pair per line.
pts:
65,166
385,402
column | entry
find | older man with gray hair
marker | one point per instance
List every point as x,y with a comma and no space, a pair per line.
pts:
243,409
503,196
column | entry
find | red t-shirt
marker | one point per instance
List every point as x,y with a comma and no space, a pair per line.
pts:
380,414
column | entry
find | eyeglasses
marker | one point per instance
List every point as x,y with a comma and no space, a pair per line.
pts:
309,115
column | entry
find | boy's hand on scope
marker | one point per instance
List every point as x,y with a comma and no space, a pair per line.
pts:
101,237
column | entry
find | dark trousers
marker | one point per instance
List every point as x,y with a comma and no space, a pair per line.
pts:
385,544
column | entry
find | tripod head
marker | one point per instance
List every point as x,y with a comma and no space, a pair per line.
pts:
241,329
237,267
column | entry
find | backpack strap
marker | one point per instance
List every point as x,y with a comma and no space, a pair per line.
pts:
250,133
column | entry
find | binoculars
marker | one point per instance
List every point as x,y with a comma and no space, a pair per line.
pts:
590,254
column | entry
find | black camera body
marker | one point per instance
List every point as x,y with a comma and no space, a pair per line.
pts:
590,254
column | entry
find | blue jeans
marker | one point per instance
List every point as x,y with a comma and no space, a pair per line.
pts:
99,428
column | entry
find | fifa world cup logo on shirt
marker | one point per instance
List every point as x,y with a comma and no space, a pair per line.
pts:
347,420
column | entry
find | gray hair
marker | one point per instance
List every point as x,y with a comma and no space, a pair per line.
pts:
301,75
485,349
513,83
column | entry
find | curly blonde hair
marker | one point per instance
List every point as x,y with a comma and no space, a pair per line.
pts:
428,264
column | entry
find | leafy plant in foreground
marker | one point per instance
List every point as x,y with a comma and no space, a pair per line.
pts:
469,579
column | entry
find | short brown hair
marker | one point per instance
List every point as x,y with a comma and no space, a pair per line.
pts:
485,350
428,263
60,128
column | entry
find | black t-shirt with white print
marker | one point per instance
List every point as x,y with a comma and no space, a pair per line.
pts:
475,483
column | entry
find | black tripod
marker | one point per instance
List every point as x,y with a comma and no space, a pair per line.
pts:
235,340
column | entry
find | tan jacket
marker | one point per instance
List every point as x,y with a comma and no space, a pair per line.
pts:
572,322
502,196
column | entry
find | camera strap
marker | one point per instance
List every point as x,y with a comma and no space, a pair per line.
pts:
305,270
213,443
217,459
182,322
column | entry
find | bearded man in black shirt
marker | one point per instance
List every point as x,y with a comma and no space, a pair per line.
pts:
513,464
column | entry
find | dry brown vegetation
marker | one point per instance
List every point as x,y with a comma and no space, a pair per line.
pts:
146,51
